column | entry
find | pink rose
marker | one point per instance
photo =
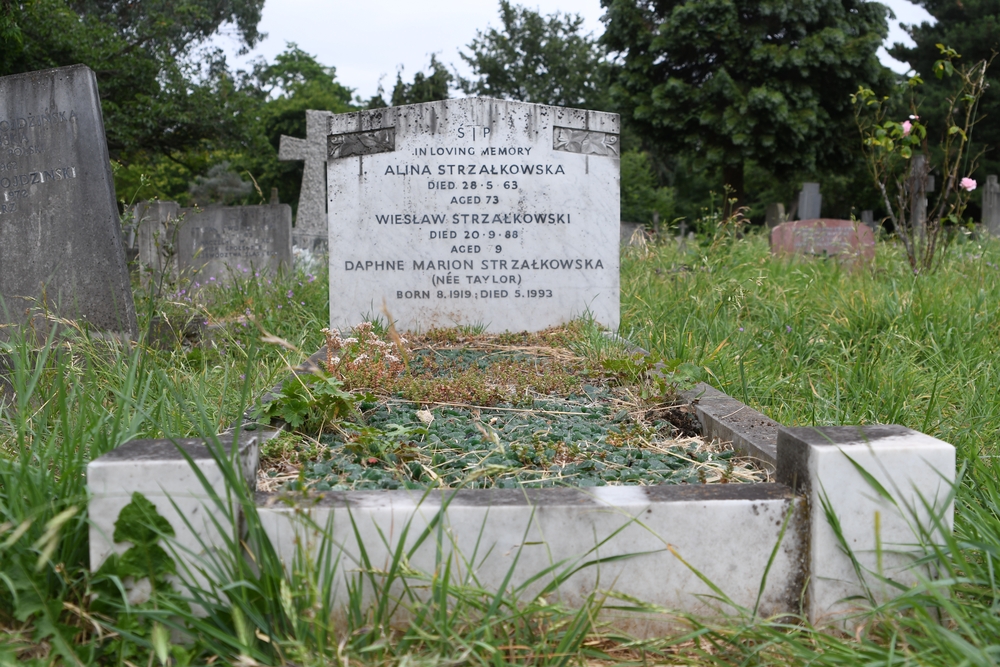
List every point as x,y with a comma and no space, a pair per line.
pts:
968,184
907,126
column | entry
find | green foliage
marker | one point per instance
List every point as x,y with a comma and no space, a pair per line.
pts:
728,81
972,26
428,87
891,148
142,526
310,402
640,194
535,58
155,95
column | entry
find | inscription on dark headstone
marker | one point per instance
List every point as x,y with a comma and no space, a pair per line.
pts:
60,234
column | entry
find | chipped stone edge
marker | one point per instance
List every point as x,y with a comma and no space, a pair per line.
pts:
724,418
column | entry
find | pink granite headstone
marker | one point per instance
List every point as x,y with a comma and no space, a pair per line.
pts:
824,237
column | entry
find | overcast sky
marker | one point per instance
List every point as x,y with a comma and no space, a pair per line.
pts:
368,42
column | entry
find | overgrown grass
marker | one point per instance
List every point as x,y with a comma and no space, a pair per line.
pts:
811,342
808,342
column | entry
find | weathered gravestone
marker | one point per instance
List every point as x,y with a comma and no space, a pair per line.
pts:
474,211
868,218
211,244
633,233
825,238
991,206
60,234
810,202
311,229
155,237
775,215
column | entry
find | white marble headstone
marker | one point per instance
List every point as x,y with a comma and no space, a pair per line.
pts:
474,211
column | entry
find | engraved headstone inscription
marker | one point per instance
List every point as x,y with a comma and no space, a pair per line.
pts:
60,233
845,239
474,212
213,244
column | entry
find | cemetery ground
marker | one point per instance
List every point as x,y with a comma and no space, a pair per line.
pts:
807,342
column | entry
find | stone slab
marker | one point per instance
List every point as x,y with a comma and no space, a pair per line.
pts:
156,239
633,233
218,241
159,470
474,212
211,244
810,202
915,477
60,233
991,205
659,528
775,215
824,237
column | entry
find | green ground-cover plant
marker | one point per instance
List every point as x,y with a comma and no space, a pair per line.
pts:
456,408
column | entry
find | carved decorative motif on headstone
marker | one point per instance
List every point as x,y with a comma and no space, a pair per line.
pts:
586,142
362,143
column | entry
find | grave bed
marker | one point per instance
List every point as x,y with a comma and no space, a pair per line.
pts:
768,546
525,412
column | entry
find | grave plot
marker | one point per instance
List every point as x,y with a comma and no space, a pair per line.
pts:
456,410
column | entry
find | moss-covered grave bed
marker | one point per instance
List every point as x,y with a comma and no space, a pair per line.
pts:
459,409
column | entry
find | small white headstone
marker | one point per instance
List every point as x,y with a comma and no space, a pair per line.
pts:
810,201
474,211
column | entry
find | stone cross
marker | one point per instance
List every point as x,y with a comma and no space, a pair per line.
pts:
311,231
991,206
920,183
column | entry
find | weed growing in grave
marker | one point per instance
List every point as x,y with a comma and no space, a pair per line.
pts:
364,360
310,402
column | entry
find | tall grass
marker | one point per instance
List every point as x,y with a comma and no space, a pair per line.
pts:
809,342
813,342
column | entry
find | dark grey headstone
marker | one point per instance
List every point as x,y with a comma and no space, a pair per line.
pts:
60,235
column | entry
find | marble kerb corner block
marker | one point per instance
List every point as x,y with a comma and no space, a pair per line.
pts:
159,471
474,212
888,516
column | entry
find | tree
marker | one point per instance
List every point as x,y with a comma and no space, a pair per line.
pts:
727,81
155,94
428,87
535,58
293,83
973,28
